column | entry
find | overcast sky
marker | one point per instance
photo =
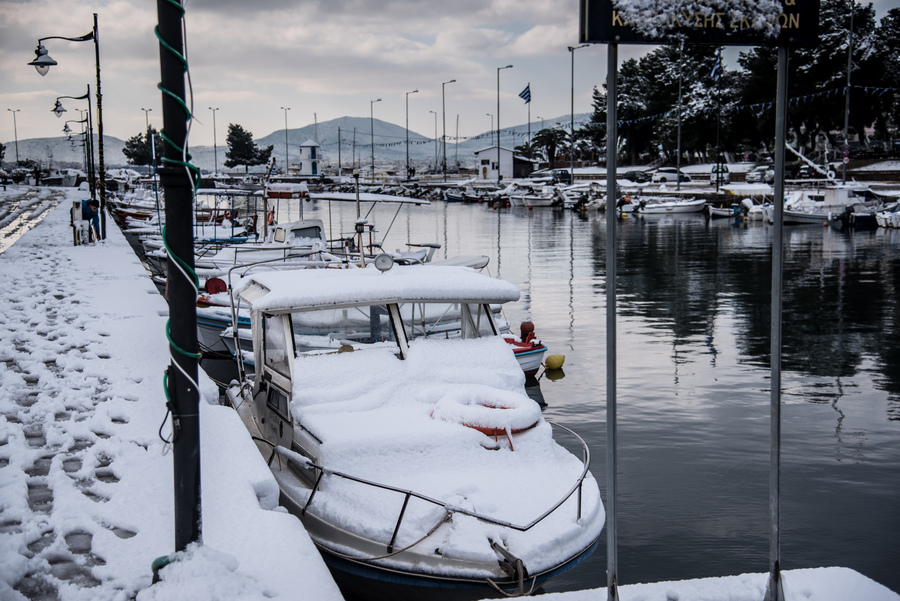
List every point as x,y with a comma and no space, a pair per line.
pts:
328,58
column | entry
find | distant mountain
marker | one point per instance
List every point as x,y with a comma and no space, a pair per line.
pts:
390,144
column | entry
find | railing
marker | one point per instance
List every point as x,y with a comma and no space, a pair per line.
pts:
450,509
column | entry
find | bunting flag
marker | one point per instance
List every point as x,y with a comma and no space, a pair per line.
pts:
526,94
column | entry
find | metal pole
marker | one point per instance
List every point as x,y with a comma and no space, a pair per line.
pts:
285,109
499,175
215,150
847,95
572,50
774,588
407,130
339,153
182,295
435,140
102,168
372,133
444,134
147,129
92,173
612,555
15,133
678,158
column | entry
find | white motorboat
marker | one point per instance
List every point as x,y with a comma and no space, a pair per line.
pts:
665,205
418,465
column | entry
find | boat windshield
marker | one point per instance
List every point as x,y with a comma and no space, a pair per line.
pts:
446,320
330,329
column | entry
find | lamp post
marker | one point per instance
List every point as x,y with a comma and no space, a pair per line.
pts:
444,134
372,132
435,139
215,150
285,109
152,141
147,118
407,130
572,50
15,132
499,175
846,151
42,64
58,110
542,121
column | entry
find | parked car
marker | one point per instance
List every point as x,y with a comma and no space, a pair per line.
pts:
561,176
720,173
669,174
760,174
638,177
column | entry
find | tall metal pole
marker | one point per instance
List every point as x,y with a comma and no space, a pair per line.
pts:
147,129
92,173
612,553
499,175
435,140
15,133
146,118
182,294
678,157
339,153
847,95
215,149
774,588
444,134
407,130
285,109
572,50
372,132
100,160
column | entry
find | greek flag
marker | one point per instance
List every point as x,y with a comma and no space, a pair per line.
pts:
716,72
526,94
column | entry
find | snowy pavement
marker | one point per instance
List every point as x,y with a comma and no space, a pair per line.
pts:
86,501
86,493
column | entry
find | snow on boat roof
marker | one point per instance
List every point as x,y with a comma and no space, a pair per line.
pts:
285,291
367,197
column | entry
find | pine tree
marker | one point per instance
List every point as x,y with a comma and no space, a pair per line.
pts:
138,149
242,150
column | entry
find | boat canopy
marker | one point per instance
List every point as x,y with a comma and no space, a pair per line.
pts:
366,197
308,289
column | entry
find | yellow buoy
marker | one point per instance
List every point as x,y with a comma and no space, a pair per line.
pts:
554,361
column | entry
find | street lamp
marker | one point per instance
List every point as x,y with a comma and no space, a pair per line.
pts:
58,109
499,175
491,115
15,132
372,132
444,135
147,118
152,142
215,150
435,139
285,109
407,130
42,64
572,50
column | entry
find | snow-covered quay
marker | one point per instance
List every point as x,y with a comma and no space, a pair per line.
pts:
86,494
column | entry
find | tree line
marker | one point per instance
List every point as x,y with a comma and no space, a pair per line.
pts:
733,111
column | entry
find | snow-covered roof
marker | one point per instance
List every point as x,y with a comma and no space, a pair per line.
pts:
367,197
309,143
286,291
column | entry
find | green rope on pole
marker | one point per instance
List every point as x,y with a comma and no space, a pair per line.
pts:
184,265
176,347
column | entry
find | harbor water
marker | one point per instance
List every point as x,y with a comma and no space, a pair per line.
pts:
693,377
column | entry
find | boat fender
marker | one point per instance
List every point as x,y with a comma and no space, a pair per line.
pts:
215,286
554,361
525,329
270,217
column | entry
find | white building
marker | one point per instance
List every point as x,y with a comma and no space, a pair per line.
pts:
511,164
309,159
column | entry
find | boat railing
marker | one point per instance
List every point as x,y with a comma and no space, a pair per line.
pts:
323,471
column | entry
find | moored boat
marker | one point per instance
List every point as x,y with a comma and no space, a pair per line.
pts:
415,463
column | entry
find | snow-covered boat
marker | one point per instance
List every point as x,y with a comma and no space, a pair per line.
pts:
667,205
418,465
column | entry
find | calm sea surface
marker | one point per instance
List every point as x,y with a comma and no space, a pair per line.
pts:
693,378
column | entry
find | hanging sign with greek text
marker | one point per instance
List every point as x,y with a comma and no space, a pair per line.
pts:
716,22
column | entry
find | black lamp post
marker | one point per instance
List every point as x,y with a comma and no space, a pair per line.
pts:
372,132
215,150
58,109
42,64
572,50
444,134
285,109
407,130
499,176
